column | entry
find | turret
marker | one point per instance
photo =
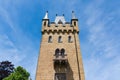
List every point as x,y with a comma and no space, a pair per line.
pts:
74,22
60,25
45,20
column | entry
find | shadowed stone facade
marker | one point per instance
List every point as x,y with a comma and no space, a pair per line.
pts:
60,57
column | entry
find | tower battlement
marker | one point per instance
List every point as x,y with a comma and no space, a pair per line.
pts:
60,25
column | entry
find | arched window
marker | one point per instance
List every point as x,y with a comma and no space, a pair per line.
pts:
57,51
44,23
62,52
50,39
74,23
69,39
59,39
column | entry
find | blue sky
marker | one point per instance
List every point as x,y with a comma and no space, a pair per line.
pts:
99,24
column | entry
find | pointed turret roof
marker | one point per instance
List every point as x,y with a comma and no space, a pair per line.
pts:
46,15
73,15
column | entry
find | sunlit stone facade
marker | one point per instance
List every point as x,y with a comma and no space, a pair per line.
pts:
60,56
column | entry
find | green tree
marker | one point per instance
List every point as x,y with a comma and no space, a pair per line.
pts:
6,68
19,74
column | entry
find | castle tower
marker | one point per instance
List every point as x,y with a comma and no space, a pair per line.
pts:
60,57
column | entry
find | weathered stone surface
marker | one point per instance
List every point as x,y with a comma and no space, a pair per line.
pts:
45,67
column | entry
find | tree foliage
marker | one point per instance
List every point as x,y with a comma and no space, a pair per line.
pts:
19,74
6,68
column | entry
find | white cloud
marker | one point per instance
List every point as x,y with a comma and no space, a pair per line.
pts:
8,51
15,45
104,62
21,55
6,17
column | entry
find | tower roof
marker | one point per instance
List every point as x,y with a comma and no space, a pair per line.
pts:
73,15
60,19
46,15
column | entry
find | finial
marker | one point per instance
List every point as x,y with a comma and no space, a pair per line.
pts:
56,14
46,15
73,15
63,15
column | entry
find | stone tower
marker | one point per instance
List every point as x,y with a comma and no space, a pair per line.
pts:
60,57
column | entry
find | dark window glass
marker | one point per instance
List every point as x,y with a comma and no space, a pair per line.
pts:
69,39
57,51
50,39
74,23
62,52
44,23
60,76
59,39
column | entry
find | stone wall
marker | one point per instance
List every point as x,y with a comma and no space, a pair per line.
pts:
45,68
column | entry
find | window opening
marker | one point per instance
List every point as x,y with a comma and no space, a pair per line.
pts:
50,39
69,39
57,51
62,52
59,39
60,76
44,23
74,23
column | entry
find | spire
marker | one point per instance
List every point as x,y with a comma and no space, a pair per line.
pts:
73,15
46,15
